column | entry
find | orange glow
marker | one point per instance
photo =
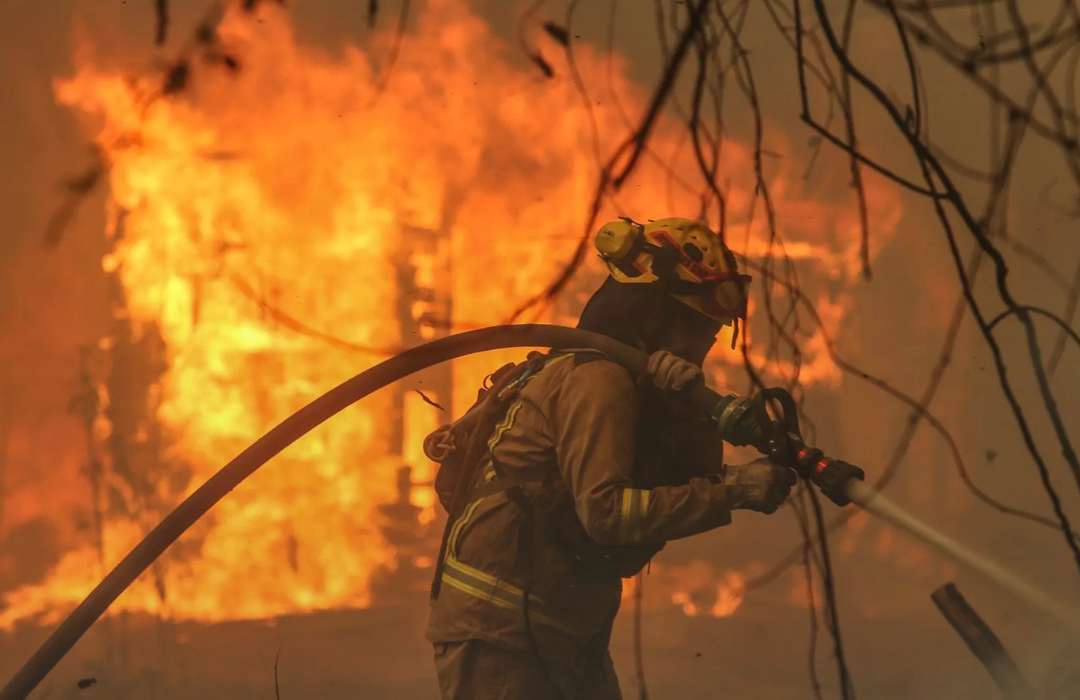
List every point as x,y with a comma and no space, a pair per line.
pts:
321,187
851,531
420,420
884,544
696,588
729,594
799,593
689,607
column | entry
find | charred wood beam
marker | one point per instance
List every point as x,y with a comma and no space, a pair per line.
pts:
983,643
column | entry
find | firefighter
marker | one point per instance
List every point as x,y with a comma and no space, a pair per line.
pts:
600,470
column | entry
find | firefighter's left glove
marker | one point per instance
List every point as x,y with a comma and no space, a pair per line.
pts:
671,373
439,444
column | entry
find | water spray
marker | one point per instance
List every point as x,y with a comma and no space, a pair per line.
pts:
748,421
867,497
740,421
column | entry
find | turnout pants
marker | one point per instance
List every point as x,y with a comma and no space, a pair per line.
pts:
479,670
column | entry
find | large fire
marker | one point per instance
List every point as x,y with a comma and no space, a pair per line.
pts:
292,188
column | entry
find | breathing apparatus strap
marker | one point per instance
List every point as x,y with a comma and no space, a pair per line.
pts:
493,406
519,477
512,486
497,402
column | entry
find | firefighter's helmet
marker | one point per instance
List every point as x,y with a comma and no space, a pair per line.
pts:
685,255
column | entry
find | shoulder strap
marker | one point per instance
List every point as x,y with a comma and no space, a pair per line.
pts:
580,355
584,357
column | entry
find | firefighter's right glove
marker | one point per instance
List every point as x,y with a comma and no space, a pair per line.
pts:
672,373
759,486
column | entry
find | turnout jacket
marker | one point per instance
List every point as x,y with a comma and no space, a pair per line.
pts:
626,475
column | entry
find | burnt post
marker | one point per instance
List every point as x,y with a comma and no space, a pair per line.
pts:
423,309
982,641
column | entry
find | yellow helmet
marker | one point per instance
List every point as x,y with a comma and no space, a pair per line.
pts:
683,254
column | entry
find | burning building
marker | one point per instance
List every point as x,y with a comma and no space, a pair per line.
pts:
282,220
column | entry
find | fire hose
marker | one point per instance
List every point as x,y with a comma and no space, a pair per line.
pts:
740,421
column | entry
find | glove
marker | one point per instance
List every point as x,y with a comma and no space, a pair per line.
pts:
671,373
759,486
439,445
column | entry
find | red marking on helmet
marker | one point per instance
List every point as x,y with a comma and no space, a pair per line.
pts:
822,464
695,268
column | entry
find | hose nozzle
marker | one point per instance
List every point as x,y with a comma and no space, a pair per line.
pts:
742,421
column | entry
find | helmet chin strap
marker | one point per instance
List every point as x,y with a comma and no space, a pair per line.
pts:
665,258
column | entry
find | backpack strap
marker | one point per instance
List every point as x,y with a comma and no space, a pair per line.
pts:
512,481
581,355
493,403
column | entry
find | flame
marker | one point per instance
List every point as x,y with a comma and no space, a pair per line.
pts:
729,594
689,607
696,588
259,221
